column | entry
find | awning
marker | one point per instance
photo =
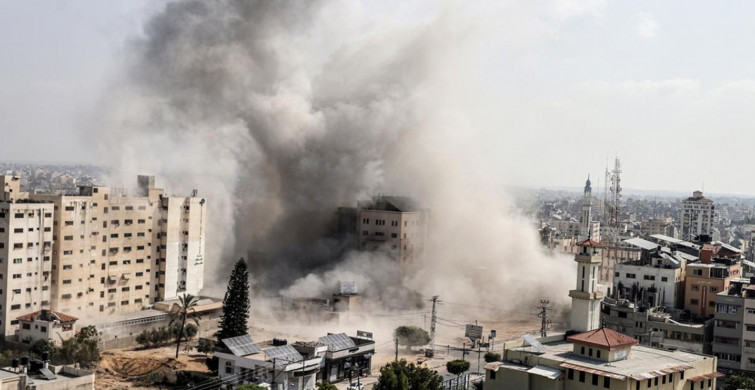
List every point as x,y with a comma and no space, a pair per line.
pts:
593,371
712,375
657,373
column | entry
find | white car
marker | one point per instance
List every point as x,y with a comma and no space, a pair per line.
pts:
355,386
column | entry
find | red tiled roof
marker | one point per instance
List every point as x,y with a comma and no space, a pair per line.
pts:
714,374
588,243
603,338
61,316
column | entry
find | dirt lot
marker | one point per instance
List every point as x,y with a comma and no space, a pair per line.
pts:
132,368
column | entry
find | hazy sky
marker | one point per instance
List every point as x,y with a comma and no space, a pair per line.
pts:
667,86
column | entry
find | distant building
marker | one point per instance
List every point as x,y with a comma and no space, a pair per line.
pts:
662,226
393,224
706,279
598,359
697,217
53,378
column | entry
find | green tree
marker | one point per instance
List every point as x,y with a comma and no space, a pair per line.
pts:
401,375
325,386
186,311
205,346
737,381
81,349
457,367
236,303
411,336
144,338
41,346
492,357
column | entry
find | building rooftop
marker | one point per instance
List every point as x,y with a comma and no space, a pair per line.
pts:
47,315
603,338
642,363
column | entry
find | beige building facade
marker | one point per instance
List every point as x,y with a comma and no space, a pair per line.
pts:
102,250
394,225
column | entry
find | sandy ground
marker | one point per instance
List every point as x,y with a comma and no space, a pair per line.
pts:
123,369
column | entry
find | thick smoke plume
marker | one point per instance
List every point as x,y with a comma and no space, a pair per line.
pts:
280,111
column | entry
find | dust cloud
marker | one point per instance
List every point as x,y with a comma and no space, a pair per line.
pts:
280,111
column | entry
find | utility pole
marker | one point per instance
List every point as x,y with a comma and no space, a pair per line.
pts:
433,319
543,315
396,342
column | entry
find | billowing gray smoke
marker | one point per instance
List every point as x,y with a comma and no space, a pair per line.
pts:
278,111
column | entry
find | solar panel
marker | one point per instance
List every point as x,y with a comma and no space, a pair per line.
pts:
337,342
534,343
241,345
284,353
47,374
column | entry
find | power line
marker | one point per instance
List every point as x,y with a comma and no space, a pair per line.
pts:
543,315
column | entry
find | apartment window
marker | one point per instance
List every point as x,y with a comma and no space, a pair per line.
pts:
68,266
68,238
17,291
139,287
140,221
48,229
18,215
649,277
125,262
128,221
124,303
15,307
114,235
695,287
664,279
48,215
69,223
126,289
18,261
111,304
69,208
631,276
697,272
127,235
69,252
569,374
138,274
113,262
129,207
16,276
581,376
18,246
140,234
116,208
139,261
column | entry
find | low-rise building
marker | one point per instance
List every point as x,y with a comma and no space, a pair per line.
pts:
393,224
599,358
706,279
734,332
51,378
657,279
46,325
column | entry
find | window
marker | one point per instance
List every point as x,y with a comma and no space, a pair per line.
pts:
139,274
139,287
649,277
16,276
581,376
631,276
694,301
597,354
69,252
695,287
139,261
492,375
69,208
15,307
67,281
606,382
140,221
126,289
697,272
18,261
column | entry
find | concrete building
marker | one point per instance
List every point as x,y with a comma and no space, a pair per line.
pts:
656,327
46,325
663,226
99,251
56,378
706,279
585,312
734,332
601,359
392,224
697,217
657,279
26,240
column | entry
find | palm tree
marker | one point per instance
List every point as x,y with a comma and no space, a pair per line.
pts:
185,311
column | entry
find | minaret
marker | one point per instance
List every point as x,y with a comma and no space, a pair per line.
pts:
585,300
585,220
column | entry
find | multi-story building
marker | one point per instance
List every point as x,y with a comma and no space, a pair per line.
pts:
109,251
26,240
654,280
598,359
392,224
734,332
663,226
706,279
697,217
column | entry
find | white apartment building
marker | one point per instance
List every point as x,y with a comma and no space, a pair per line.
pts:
392,224
103,251
698,215
654,283
25,254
